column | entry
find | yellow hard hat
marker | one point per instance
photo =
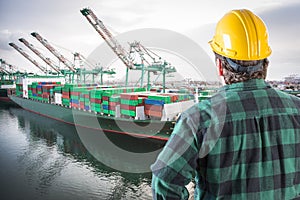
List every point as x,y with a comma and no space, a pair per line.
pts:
241,35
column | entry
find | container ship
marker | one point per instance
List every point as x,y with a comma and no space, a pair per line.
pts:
134,111
111,109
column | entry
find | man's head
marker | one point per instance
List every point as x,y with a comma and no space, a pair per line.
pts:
241,46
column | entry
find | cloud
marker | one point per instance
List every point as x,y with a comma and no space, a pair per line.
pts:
284,30
283,25
61,21
6,37
284,15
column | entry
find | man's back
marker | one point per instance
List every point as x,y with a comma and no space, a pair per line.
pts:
257,153
246,145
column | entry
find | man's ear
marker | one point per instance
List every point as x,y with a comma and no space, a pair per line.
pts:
219,66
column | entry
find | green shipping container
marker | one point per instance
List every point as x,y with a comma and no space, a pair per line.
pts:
130,102
128,112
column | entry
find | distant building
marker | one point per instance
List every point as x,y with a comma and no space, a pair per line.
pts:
294,78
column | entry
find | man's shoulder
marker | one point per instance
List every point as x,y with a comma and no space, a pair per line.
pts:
285,95
197,110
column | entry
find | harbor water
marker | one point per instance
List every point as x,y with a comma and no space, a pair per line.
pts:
41,158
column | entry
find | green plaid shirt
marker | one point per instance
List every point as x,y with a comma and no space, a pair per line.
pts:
243,143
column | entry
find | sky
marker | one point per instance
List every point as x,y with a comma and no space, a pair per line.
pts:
62,24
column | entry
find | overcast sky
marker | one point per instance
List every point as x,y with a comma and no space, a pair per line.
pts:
62,24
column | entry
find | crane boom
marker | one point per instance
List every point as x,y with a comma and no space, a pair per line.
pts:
2,69
21,51
46,60
10,66
107,36
60,57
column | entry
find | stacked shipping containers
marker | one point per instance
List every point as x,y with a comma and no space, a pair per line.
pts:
77,95
66,94
85,96
80,97
58,95
74,97
107,96
114,101
110,98
47,92
154,104
33,90
19,90
96,100
30,91
41,91
129,103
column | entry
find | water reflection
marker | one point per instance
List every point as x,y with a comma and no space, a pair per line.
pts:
57,164
120,152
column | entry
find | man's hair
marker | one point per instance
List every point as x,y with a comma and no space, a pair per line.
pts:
233,76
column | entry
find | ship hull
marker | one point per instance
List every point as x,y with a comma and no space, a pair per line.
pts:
146,129
4,99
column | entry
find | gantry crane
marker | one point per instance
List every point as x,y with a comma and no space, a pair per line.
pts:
155,64
6,75
2,66
3,71
102,71
12,72
46,60
94,71
60,57
124,55
108,37
21,51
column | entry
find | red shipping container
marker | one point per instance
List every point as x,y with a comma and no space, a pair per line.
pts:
157,108
128,107
45,95
98,101
74,105
105,98
143,95
65,96
153,113
174,97
113,103
81,106
74,93
129,96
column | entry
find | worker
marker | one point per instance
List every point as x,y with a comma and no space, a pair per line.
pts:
244,141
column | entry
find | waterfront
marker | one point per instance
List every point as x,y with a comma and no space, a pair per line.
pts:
42,158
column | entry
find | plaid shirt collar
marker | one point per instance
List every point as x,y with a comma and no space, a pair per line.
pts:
247,85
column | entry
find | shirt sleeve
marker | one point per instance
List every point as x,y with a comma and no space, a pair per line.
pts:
176,163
